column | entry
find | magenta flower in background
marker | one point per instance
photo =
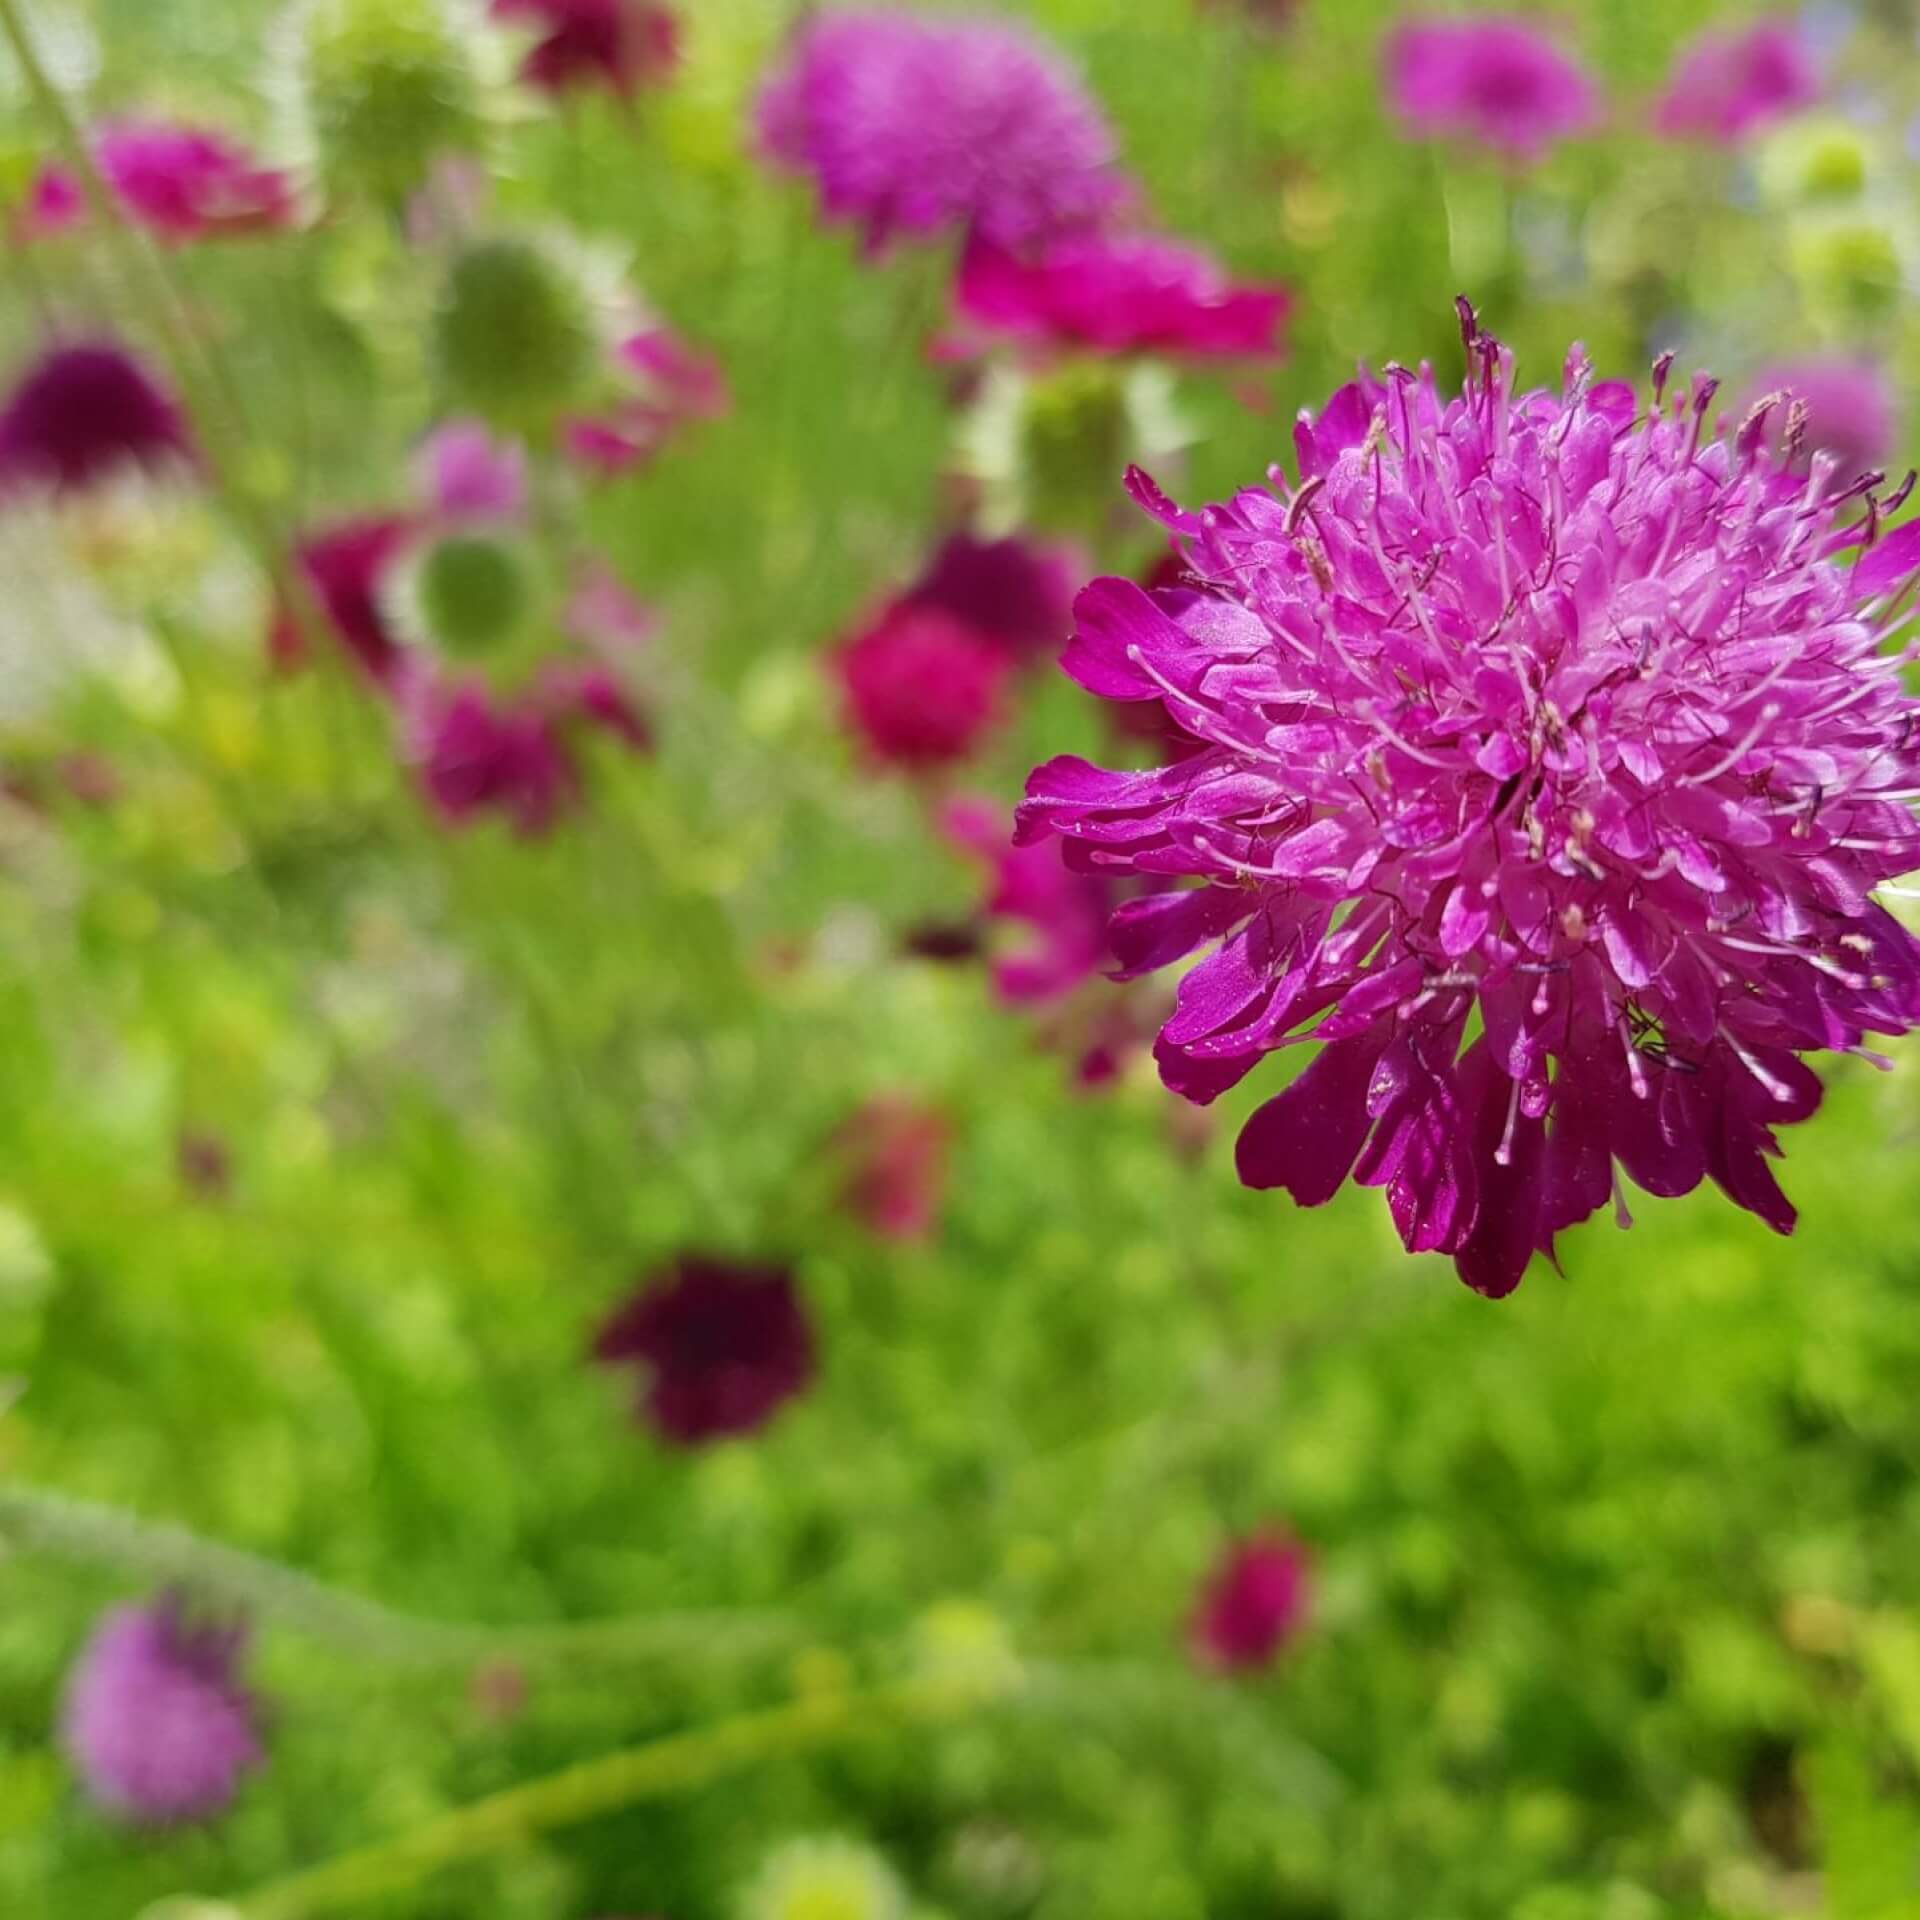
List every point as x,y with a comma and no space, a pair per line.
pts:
181,183
1730,83
1118,294
602,612
156,1719
1530,715
670,386
894,1151
467,477
1852,410
85,413
1253,1604
345,567
920,688
721,1347
917,125
619,45
1016,591
1490,79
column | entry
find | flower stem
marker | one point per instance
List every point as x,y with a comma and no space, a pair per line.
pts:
681,1762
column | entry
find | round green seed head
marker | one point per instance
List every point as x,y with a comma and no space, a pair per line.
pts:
473,592
514,338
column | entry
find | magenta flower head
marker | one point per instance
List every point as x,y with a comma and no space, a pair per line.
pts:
921,688
86,413
893,1154
181,183
618,45
1488,79
1118,294
346,567
917,125
667,385
1726,85
468,477
156,1720
1016,591
1253,1604
1549,763
722,1347
1850,406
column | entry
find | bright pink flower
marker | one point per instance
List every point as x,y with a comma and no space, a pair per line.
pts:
1254,1603
182,183
1731,83
1016,591
1119,294
721,1346
921,688
916,125
894,1151
1534,716
468,477
621,45
1487,78
1852,410
84,413
346,566
156,1719
672,385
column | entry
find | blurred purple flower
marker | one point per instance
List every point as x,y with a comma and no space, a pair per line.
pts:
602,612
1852,409
1254,1603
921,689
721,1345
466,476
1530,715
1488,78
894,1152
85,413
916,125
181,183
345,565
621,45
1729,83
671,385
1118,294
1016,591
156,1720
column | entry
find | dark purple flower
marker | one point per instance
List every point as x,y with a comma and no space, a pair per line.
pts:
1731,83
894,1153
181,183
84,413
915,125
478,753
621,45
1851,410
921,688
1119,294
1549,766
722,1346
1016,591
156,1720
346,567
1487,78
1252,1605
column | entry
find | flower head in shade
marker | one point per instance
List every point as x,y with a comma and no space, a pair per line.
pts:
1850,409
1728,84
1549,764
665,384
922,688
181,183
1118,294
618,45
1018,592
156,1719
893,1151
346,566
85,413
722,1347
1489,79
916,126
1254,1603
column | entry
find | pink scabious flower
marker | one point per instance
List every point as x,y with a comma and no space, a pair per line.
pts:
922,688
345,566
470,478
1016,591
181,183
916,125
1254,1603
1490,79
669,385
1845,407
1118,294
893,1151
1548,767
721,1346
156,1719
619,45
1726,85
84,413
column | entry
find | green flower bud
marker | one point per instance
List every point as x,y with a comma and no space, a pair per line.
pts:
1819,159
1849,268
515,339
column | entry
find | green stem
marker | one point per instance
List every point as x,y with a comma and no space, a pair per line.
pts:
681,1762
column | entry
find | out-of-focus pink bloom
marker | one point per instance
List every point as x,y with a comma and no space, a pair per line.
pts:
1851,409
920,688
1254,1603
466,476
85,413
917,125
673,385
602,612
1118,294
181,183
894,1150
1730,83
619,45
345,566
582,691
1016,591
1488,78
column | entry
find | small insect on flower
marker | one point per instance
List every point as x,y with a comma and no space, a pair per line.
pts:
156,1719
1548,765
1488,79
1253,1605
85,413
